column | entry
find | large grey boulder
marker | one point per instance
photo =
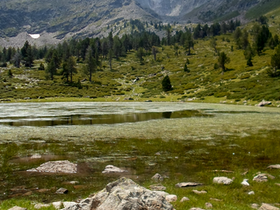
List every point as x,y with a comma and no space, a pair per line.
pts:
123,194
61,166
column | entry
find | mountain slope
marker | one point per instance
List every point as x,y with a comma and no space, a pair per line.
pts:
79,18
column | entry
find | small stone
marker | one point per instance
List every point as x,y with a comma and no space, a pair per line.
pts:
158,154
278,184
251,193
196,208
222,180
266,206
188,184
260,178
171,198
157,177
17,208
43,190
216,199
199,192
184,199
255,206
36,156
57,205
277,166
73,182
112,169
245,182
61,191
157,187
208,205
40,205
68,204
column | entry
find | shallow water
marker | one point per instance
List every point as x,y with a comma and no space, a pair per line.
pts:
180,140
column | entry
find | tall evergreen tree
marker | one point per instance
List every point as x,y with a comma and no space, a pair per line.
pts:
222,60
90,64
166,84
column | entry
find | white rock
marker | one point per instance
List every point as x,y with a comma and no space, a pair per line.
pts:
36,156
184,199
157,177
68,204
199,192
196,209
245,182
255,206
112,169
41,205
62,166
17,208
208,205
222,180
251,193
57,205
171,198
277,166
266,206
260,178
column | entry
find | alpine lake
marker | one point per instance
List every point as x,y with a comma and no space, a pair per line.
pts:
186,142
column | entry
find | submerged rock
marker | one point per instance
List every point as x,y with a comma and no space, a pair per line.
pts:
112,169
62,166
123,194
188,184
222,180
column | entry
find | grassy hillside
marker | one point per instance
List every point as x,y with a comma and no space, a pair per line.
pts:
239,84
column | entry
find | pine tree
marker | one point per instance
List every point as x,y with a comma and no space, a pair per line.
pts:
51,69
90,63
71,63
166,84
186,68
222,60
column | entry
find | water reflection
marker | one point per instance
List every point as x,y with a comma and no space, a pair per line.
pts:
79,119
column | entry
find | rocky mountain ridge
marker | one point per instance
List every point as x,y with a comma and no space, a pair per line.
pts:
80,18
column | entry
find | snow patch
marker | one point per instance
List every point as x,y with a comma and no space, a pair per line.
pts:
34,36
